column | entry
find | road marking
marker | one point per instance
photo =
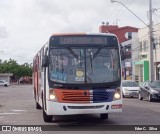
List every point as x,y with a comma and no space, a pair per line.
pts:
8,113
1,117
16,110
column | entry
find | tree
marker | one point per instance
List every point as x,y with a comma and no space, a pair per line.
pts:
18,71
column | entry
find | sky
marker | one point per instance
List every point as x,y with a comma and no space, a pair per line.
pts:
26,25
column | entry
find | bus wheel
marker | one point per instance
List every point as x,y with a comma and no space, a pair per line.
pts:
47,118
38,106
103,116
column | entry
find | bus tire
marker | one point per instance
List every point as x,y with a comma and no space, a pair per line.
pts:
46,118
104,116
38,106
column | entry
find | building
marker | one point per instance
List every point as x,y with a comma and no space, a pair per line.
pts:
6,77
142,65
128,38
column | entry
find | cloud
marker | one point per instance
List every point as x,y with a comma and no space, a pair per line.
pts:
3,32
26,25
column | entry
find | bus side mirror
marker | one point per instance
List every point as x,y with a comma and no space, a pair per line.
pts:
122,52
45,61
122,55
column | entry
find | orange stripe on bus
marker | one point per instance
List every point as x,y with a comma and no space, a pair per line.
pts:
72,96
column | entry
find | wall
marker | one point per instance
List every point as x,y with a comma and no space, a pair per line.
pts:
6,77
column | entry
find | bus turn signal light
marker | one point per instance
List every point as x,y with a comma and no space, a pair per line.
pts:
116,106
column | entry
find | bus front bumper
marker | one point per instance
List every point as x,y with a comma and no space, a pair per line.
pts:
56,108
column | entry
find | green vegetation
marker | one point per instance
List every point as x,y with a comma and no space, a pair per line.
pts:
11,66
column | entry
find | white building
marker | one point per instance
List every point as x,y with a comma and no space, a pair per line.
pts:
142,65
131,55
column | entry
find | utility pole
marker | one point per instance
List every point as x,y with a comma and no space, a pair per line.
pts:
151,40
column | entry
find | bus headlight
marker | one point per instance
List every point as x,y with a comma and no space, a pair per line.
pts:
117,94
52,95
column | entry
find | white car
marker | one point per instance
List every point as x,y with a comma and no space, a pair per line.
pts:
4,83
130,88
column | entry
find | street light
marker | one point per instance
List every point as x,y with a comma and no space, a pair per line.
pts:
130,11
151,40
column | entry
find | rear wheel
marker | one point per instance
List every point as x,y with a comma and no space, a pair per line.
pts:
5,85
103,116
38,106
140,96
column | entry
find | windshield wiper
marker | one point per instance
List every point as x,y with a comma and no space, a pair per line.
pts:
73,53
96,53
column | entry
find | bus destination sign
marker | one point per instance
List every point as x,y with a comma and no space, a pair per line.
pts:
83,40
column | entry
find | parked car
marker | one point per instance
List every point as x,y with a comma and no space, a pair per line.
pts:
130,88
4,83
150,90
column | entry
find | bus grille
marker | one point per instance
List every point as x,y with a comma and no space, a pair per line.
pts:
82,96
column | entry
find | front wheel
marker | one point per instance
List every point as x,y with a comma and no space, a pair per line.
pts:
46,118
103,116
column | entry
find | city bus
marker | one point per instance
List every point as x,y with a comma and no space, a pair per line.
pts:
78,73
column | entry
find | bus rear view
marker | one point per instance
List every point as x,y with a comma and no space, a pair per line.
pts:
81,74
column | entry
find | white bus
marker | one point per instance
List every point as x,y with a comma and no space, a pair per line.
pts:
78,74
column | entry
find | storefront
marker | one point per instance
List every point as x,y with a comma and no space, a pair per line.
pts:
141,71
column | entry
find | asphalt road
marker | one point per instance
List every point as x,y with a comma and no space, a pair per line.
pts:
17,107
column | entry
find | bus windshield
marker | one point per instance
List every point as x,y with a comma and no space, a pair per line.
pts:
87,65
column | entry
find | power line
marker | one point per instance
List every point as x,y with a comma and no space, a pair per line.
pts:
121,13
116,10
130,11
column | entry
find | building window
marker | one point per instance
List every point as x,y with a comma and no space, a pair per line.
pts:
143,56
129,35
128,51
140,46
128,48
144,45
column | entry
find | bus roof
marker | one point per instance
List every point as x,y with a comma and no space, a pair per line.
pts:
70,34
